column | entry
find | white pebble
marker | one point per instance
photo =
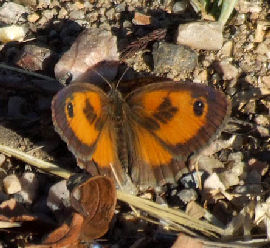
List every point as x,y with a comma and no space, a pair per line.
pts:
30,185
12,33
12,184
200,35
58,196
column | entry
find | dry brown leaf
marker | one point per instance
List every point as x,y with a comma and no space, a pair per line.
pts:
184,241
65,236
95,200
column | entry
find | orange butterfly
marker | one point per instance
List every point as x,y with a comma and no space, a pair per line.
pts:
147,134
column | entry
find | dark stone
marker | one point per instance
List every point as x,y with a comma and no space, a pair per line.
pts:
170,57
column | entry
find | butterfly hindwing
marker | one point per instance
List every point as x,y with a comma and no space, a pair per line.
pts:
169,121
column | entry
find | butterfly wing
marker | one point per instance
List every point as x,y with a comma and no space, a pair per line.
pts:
80,114
169,121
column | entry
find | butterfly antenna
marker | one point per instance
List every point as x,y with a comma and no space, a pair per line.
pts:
124,73
105,79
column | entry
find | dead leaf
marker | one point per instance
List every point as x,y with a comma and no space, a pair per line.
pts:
95,200
65,236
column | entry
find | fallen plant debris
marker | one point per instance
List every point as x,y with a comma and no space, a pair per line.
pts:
224,204
176,220
64,236
141,43
94,201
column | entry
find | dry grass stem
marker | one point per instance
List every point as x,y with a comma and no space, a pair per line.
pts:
172,216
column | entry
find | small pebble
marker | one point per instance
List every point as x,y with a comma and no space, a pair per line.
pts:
141,19
27,2
191,180
12,33
43,4
35,58
200,35
263,48
170,57
217,145
264,131
12,13
58,196
91,47
180,7
33,17
62,13
47,16
187,195
208,164
195,210
30,186
76,15
110,14
12,184
236,157
266,81
213,182
227,49
228,71
231,176
248,107
263,120
127,24
120,7
201,76
247,6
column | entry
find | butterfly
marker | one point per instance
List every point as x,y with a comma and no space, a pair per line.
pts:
146,135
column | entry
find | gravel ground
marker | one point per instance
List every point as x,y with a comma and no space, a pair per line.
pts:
234,59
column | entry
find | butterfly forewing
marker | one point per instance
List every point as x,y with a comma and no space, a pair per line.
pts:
82,115
79,117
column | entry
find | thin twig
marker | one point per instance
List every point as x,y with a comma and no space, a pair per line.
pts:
46,166
7,224
34,74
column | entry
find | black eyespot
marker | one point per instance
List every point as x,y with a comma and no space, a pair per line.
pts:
70,110
198,107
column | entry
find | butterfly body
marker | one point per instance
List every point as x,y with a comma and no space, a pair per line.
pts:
147,134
